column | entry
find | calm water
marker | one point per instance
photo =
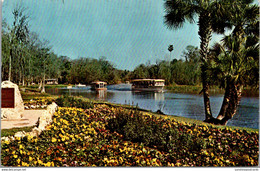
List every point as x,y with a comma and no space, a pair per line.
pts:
186,105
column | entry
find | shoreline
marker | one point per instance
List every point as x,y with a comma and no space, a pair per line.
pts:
189,89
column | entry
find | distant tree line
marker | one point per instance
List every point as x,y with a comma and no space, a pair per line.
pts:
181,72
87,70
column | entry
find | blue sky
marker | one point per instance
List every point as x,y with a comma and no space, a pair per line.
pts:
126,32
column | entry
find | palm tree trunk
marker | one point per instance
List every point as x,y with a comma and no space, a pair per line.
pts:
205,90
235,97
225,102
230,104
205,32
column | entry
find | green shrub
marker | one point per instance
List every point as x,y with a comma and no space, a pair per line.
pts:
69,101
12,131
152,132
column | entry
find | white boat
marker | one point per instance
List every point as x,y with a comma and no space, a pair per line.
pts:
98,85
156,85
80,85
68,87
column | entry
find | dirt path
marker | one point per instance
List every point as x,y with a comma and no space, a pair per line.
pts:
30,118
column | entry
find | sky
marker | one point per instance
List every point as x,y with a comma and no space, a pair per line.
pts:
127,32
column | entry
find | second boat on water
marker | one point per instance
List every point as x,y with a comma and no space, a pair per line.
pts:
156,85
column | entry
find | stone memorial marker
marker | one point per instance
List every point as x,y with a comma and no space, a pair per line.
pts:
12,106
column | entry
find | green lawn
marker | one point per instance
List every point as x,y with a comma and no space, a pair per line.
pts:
11,132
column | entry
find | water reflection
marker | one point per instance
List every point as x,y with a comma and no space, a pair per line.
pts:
148,95
101,94
84,92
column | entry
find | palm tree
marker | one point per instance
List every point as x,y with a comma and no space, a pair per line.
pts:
170,49
234,61
211,17
237,59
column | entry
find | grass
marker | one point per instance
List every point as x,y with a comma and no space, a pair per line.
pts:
199,122
196,89
46,86
12,131
193,89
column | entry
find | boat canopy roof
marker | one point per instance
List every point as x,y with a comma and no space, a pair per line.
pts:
156,80
98,82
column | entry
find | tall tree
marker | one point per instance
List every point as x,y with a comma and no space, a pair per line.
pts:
235,64
191,54
236,60
170,49
212,17
18,39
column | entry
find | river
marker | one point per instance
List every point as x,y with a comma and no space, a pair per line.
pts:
179,104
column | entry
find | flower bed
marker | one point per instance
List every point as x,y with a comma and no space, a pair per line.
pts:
38,103
93,138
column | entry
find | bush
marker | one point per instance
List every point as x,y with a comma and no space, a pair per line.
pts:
153,132
68,101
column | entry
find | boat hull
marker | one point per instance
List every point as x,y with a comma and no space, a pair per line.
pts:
97,89
151,89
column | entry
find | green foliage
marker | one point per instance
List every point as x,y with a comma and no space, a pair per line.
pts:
176,71
11,132
87,70
153,132
69,101
235,60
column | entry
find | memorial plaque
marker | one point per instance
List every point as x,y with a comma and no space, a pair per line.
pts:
7,98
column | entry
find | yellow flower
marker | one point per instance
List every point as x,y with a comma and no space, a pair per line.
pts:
25,164
177,164
15,156
53,139
154,160
18,161
7,142
170,164
48,164
40,162
63,138
189,131
30,158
